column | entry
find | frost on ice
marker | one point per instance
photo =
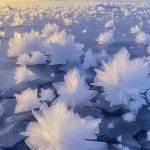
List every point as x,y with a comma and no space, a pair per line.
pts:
74,90
123,79
23,74
60,129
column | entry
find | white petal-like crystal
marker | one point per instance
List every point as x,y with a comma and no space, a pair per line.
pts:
27,100
25,43
65,51
23,74
59,129
105,38
74,90
50,29
123,79
47,95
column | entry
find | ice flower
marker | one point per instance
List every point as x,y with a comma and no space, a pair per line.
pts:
142,37
50,29
89,60
105,38
27,100
33,59
57,37
57,128
17,21
68,21
23,74
123,79
74,90
47,95
109,24
65,51
15,45
25,43
129,117
135,29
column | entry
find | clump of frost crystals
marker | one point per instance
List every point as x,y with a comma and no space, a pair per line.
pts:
23,74
29,100
25,43
105,38
74,90
65,50
123,79
50,29
57,128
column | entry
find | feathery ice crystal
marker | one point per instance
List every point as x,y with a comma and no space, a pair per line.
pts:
47,95
89,60
105,38
29,100
25,43
65,51
57,128
123,79
74,90
50,29
23,74
32,59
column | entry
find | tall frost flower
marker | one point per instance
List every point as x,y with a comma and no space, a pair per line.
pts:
27,100
74,90
105,38
50,29
23,74
57,128
123,79
65,50
25,43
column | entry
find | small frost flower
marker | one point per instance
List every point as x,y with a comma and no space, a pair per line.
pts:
50,29
142,37
109,24
135,29
33,59
23,74
129,117
123,79
47,95
57,128
105,38
89,60
27,100
65,51
25,43
74,90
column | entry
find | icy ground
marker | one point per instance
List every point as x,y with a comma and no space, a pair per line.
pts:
92,56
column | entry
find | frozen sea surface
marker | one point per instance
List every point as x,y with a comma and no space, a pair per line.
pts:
86,17
82,16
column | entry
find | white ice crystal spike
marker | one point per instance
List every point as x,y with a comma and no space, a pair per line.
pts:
105,38
59,129
50,29
33,59
65,51
123,79
27,100
74,90
89,60
25,43
23,74
47,95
